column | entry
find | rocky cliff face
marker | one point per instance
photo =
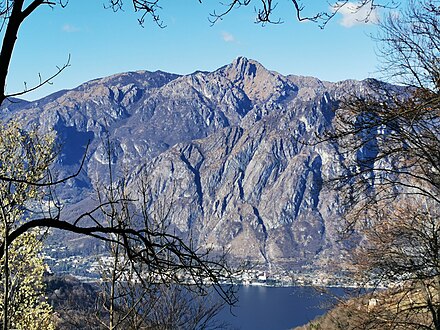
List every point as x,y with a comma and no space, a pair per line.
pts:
229,148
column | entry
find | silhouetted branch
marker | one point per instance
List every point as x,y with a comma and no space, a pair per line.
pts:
163,254
41,82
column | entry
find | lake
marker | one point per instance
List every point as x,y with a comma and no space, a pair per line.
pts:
275,308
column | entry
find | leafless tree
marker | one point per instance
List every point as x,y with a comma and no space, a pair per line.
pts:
388,141
402,250
131,296
264,9
389,137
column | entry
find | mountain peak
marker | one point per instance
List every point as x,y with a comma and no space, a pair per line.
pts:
253,78
242,60
243,67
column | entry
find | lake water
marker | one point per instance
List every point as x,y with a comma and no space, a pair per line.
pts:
275,308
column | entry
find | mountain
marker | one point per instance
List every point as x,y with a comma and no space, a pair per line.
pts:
228,150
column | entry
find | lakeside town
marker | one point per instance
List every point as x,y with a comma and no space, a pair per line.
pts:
89,268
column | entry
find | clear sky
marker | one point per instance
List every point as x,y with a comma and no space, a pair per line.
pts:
101,42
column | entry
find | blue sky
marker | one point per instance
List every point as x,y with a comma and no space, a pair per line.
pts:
101,42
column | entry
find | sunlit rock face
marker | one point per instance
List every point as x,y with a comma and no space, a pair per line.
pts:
228,150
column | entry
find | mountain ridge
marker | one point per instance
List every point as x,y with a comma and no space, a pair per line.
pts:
226,147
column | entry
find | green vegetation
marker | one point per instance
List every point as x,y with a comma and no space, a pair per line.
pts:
25,157
27,306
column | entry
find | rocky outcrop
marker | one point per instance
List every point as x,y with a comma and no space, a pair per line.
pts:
256,188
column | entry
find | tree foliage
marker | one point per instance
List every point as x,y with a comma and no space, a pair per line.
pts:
27,307
26,157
